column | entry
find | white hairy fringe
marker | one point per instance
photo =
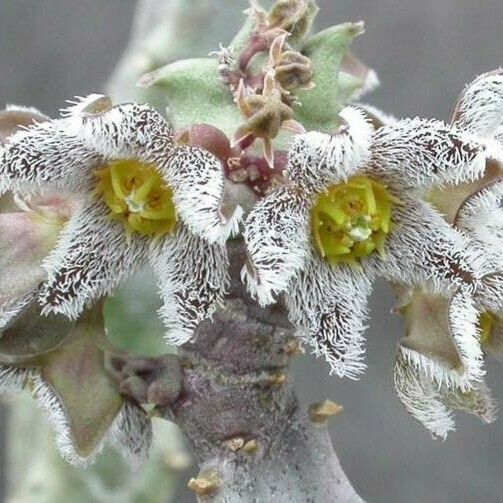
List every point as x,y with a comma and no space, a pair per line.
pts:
420,153
464,325
86,104
317,160
328,305
11,308
193,278
128,131
479,109
92,256
481,215
277,241
48,401
423,247
131,434
439,374
121,433
376,114
47,156
489,294
420,398
430,402
478,401
197,179
14,379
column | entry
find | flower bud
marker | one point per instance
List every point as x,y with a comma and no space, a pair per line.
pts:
208,137
294,16
294,71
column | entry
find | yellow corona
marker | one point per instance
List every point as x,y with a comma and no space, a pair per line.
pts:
351,220
138,197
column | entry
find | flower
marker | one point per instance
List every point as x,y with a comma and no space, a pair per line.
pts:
439,363
61,363
141,198
351,210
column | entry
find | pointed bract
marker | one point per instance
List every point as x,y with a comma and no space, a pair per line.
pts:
479,109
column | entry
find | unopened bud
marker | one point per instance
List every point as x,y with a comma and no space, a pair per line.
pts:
294,16
294,71
208,137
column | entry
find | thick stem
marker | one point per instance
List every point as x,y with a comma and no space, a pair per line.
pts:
238,404
239,408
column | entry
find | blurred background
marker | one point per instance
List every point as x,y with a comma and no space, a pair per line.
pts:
424,52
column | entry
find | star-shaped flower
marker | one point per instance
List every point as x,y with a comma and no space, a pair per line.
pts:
351,211
62,364
141,198
439,363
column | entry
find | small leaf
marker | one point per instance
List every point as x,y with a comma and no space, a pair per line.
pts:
76,373
195,94
320,106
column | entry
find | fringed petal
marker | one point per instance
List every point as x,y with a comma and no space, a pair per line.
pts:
443,339
489,294
420,397
14,379
328,305
49,401
193,278
481,216
431,404
477,401
128,131
197,179
47,156
131,433
93,255
479,109
91,104
465,330
278,243
422,247
419,153
317,160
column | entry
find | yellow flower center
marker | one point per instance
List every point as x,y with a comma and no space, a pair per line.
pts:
352,219
138,197
486,324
